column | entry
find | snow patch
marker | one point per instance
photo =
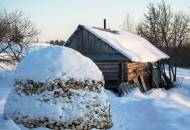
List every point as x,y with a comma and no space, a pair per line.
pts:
155,110
8,125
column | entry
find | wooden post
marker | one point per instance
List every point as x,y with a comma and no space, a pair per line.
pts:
143,83
122,72
104,23
136,80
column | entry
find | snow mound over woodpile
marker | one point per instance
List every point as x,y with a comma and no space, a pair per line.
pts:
58,88
54,61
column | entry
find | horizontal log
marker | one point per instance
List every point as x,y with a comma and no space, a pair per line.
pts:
136,70
111,74
136,63
108,67
130,65
110,70
115,69
136,66
111,78
106,63
145,75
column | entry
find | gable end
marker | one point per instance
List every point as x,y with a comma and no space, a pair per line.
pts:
91,46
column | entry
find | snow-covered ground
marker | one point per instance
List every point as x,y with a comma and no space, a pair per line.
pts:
157,109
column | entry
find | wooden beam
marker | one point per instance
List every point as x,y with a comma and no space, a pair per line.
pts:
143,83
135,80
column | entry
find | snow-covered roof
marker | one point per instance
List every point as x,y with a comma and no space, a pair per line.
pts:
55,62
129,44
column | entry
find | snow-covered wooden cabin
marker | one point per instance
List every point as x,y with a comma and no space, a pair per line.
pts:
121,56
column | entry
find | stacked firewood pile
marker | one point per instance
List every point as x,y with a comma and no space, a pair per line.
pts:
96,114
58,88
77,124
30,87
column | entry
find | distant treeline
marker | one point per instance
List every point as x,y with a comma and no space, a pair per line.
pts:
57,42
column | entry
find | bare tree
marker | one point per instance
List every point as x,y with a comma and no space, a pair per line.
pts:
180,31
128,23
4,29
165,29
17,32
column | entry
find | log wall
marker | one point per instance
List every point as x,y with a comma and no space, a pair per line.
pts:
142,71
116,68
93,47
110,70
124,71
138,68
87,43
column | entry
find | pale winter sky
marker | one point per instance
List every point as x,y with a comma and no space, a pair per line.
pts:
57,19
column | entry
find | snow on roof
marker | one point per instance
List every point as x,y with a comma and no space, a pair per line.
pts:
57,62
129,44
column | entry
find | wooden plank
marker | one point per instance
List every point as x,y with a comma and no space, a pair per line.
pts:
108,66
109,70
107,63
69,41
88,44
112,78
121,70
138,68
131,76
135,80
136,65
136,71
97,46
85,45
111,75
143,83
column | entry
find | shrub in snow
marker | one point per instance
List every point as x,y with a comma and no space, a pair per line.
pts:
58,88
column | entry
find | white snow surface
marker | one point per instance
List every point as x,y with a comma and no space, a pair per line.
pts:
154,110
9,125
54,62
129,44
38,46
